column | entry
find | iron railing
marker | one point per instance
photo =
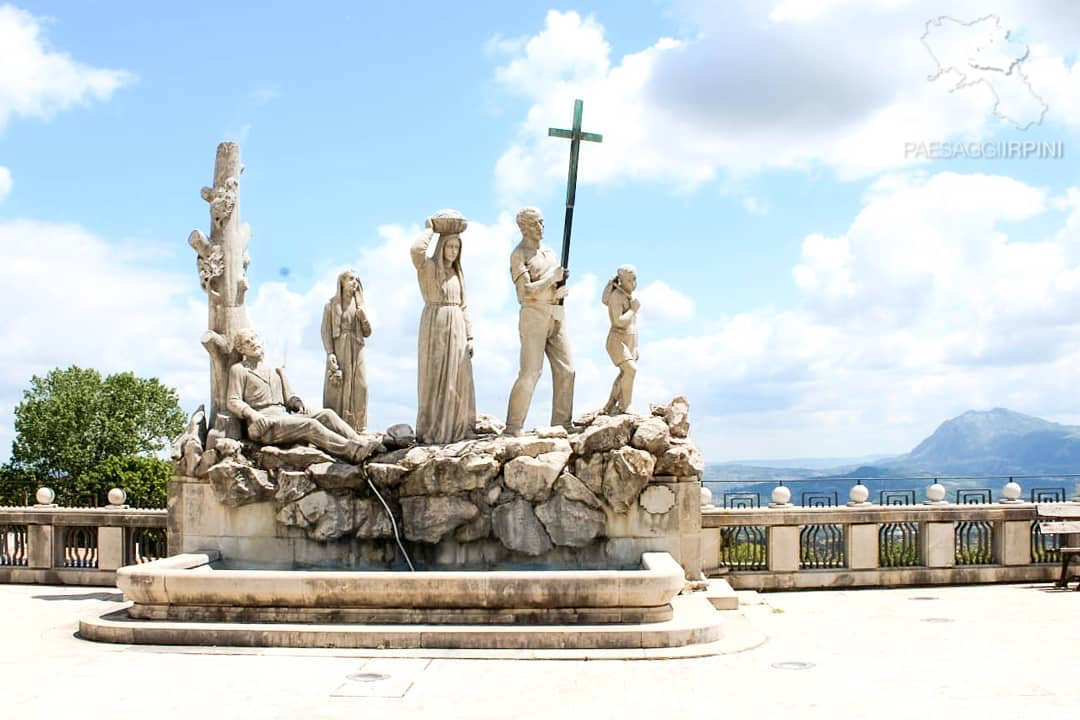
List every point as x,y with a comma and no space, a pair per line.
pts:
830,491
1044,548
974,542
898,544
821,546
744,547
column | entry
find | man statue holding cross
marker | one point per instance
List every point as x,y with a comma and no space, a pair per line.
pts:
540,281
536,273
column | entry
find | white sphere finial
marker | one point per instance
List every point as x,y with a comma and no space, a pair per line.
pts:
859,494
781,496
45,496
935,493
117,496
1011,492
706,497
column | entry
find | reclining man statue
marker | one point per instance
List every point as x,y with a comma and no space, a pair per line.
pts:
275,416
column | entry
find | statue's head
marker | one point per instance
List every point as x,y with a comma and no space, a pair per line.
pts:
451,248
627,278
348,284
531,223
247,343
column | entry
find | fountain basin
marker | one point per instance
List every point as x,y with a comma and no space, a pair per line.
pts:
196,587
192,599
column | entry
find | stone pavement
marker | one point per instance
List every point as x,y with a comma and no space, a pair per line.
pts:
995,651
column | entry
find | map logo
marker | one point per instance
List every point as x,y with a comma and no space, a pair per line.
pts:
980,51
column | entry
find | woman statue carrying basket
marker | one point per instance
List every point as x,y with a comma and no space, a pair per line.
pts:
446,396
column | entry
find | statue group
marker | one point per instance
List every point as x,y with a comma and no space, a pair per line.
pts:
248,396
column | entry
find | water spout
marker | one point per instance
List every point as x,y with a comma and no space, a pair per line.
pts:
393,524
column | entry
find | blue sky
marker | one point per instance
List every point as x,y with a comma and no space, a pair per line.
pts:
807,287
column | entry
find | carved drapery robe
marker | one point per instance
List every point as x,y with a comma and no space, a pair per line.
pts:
446,396
344,327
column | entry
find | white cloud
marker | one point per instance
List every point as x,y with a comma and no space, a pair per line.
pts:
36,81
835,84
663,302
924,308
5,182
71,298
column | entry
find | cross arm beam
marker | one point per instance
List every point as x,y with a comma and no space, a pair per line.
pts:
569,135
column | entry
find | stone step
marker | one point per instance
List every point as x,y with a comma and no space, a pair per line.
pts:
721,595
695,622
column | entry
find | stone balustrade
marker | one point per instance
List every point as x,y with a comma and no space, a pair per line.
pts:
861,545
45,543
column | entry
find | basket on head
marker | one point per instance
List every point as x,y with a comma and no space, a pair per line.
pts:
448,222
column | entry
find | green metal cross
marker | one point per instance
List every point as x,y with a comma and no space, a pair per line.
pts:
575,136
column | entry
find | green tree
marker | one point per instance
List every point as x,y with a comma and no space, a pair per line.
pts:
16,487
144,479
71,421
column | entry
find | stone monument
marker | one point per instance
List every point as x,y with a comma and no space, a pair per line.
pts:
288,487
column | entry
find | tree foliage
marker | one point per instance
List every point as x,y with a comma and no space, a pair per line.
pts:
73,427
16,487
144,479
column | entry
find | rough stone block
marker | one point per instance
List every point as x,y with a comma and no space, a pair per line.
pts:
533,478
570,523
627,473
428,518
652,435
337,476
236,484
450,475
518,528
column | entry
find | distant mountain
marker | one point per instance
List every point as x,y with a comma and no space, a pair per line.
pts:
990,442
995,442
826,463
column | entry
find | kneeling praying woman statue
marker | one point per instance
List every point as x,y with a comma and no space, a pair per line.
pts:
344,327
446,396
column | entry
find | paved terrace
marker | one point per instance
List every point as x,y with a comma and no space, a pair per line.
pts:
963,652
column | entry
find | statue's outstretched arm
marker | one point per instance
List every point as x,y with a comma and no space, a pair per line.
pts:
418,251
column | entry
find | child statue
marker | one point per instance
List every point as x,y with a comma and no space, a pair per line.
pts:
622,339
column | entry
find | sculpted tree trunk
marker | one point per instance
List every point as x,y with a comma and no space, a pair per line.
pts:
222,263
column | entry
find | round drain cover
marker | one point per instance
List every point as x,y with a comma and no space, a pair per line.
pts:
793,665
367,677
